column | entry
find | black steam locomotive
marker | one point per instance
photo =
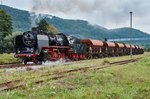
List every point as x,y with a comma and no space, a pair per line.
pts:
33,45
38,46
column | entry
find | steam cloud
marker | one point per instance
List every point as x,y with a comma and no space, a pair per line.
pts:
36,18
108,13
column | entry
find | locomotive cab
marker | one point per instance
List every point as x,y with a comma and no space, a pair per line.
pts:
61,40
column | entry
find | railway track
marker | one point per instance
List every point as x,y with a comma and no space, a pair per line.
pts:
96,66
10,85
10,63
63,74
15,65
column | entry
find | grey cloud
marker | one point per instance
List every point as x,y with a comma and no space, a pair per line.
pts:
108,13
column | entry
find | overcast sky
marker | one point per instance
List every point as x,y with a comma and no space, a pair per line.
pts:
106,13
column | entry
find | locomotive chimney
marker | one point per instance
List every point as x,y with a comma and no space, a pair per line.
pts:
35,29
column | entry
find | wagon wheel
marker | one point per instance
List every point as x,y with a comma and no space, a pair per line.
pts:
40,62
100,55
25,61
35,61
50,56
89,56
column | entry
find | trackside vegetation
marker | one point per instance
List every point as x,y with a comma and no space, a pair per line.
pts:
7,58
127,81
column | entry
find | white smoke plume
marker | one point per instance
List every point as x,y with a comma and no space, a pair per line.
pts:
36,18
108,13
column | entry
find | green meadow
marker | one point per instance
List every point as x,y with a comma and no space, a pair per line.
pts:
126,81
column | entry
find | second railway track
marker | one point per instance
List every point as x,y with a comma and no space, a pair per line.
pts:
10,85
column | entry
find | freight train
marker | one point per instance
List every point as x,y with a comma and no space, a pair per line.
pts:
38,46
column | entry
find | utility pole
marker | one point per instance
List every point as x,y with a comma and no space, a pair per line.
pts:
131,33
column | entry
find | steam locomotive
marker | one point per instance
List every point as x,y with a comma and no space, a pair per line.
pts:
38,46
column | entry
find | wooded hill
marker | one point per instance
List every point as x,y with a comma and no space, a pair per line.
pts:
24,20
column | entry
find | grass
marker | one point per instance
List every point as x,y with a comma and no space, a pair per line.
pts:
7,58
128,81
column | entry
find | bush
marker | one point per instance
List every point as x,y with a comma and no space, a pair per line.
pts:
8,44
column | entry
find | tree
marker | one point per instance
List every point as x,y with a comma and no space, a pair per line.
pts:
5,24
5,29
44,26
53,29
